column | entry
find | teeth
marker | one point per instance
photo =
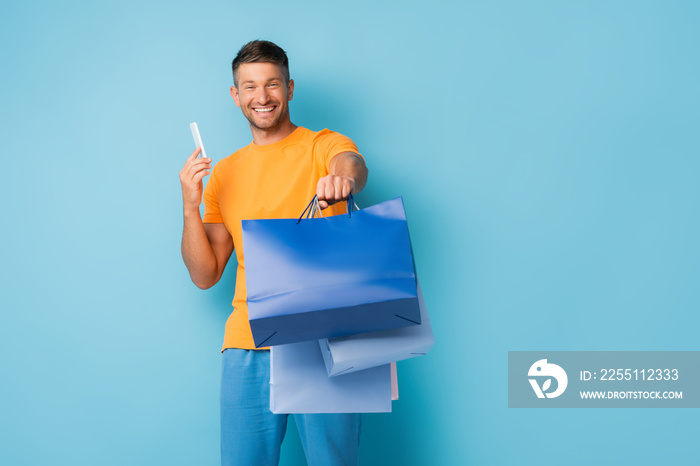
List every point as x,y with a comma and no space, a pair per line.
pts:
263,110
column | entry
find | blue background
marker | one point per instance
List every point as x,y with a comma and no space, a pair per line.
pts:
547,153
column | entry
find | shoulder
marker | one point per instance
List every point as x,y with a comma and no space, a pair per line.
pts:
328,135
305,136
332,140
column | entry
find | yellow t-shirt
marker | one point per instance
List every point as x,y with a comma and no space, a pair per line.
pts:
272,181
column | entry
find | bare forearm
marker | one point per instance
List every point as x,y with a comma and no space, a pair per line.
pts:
197,252
350,165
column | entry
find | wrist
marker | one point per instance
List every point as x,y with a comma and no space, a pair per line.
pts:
191,212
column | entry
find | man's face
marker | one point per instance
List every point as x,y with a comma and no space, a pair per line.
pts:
263,94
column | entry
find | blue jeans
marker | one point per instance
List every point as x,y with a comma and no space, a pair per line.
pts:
251,435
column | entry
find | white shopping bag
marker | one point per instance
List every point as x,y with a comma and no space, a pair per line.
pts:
299,383
352,353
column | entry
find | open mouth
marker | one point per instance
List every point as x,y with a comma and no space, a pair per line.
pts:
263,109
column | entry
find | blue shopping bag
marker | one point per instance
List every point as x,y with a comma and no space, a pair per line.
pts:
299,383
327,277
352,353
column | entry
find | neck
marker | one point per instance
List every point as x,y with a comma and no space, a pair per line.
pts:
263,137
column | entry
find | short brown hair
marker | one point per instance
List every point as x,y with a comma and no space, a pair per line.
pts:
261,51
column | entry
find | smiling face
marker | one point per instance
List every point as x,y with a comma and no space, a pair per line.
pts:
263,94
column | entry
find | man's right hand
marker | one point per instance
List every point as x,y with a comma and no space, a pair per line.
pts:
206,248
191,180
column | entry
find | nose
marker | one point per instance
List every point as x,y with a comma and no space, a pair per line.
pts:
263,97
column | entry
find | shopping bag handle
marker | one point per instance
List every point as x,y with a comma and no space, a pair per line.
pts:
313,208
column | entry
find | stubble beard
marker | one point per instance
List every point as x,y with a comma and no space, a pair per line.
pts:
273,125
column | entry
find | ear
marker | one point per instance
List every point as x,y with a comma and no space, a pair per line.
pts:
290,89
236,97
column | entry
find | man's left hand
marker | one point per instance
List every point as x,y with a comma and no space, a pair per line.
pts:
333,188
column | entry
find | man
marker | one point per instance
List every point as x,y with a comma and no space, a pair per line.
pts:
273,177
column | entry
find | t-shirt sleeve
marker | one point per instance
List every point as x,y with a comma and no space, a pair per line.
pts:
212,214
329,144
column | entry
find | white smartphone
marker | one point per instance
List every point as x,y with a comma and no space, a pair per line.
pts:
197,139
